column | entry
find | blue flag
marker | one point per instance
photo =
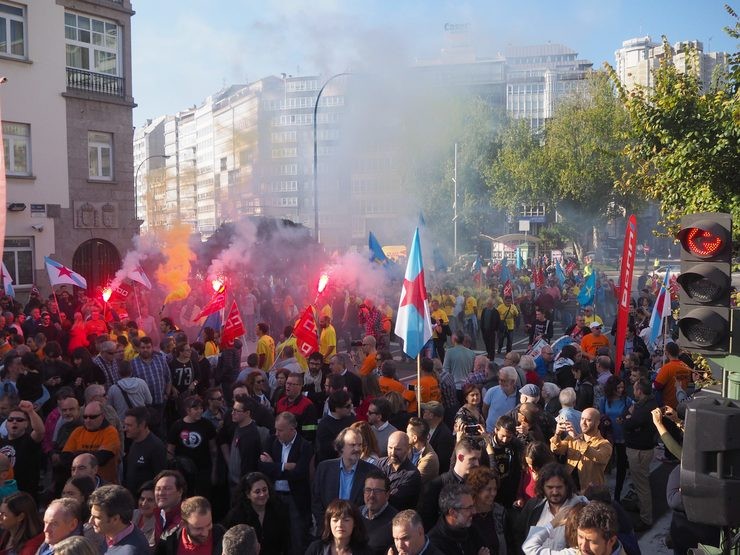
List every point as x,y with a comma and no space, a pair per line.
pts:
519,259
560,272
588,290
505,273
413,323
376,251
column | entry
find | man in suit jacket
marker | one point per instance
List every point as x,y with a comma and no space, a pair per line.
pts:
338,365
440,435
422,454
342,478
287,464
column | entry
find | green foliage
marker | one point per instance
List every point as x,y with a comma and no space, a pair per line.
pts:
684,142
571,166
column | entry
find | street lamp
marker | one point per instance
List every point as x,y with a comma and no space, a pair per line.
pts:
136,180
316,156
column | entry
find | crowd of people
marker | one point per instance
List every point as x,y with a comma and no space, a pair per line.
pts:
115,441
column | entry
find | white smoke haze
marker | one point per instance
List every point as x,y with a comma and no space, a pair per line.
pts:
239,253
354,272
145,247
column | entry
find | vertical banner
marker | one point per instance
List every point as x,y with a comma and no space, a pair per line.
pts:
625,287
2,189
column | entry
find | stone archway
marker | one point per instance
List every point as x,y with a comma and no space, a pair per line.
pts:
98,260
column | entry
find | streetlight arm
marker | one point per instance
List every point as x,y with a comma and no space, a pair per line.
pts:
136,179
316,155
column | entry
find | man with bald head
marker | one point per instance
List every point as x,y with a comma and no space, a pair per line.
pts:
588,451
402,473
87,465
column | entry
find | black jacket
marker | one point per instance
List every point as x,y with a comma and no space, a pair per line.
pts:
428,507
298,479
639,430
443,443
455,541
170,541
326,487
271,533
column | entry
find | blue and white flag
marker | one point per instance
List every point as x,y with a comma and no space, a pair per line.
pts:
8,282
413,323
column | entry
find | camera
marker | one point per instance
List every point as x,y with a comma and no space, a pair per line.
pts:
357,343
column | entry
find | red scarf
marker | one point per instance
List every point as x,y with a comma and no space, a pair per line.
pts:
187,547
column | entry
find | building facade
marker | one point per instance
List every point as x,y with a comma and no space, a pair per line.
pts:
67,127
639,57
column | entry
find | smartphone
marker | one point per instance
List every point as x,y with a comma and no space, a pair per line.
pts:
412,387
472,430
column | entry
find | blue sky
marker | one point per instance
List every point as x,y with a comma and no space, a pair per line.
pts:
184,50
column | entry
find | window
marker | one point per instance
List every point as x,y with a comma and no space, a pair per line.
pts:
18,259
17,148
12,31
100,155
223,164
92,44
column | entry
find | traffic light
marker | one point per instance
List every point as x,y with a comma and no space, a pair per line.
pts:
706,254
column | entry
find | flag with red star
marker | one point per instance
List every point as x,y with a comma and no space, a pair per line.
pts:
137,274
413,323
59,274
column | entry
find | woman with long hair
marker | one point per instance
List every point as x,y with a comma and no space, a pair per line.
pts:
146,513
259,507
281,376
470,413
84,372
257,388
23,531
613,408
80,489
369,442
528,424
489,518
344,532
536,455
209,341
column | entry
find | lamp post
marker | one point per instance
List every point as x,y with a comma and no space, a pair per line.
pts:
316,156
136,179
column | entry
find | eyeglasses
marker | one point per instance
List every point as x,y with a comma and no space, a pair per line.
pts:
374,491
16,419
91,416
237,410
468,508
216,399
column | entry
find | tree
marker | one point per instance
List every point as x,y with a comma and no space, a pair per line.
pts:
572,167
684,143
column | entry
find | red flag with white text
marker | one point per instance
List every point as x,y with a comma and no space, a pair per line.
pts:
234,325
307,332
508,289
625,288
217,302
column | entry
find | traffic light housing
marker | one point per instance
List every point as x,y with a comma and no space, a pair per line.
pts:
705,280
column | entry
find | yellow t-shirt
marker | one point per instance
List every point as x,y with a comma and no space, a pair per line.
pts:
300,359
441,315
266,346
508,314
593,318
470,305
327,340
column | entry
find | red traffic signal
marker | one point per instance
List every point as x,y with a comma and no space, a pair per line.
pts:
705,238
705,281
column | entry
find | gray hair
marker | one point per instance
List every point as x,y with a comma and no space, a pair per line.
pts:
449,497
550,391
568,397
527,363
508,373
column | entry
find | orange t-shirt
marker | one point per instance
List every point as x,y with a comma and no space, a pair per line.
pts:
104,439
368,365
389,384
667,375
429,389
591,343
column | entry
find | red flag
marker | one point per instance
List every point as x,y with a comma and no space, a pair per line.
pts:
234,326
307,333
625,288
508,289
214,305
539,277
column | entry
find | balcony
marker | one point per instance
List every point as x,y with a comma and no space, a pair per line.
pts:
99,83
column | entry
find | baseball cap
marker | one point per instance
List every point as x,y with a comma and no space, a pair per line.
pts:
435,407
530,390
593,325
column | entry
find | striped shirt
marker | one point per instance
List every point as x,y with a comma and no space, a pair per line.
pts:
156,373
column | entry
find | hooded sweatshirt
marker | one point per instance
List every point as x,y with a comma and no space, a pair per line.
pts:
137,391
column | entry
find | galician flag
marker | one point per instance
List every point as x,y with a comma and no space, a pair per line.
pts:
8,282
139,276
59,274
588,290
661,308
413,323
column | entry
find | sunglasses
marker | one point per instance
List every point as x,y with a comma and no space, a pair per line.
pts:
15,419
91,416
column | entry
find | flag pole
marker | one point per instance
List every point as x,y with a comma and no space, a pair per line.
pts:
664,320
136,296
418,384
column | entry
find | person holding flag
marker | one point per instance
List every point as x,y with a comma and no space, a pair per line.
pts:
661,309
